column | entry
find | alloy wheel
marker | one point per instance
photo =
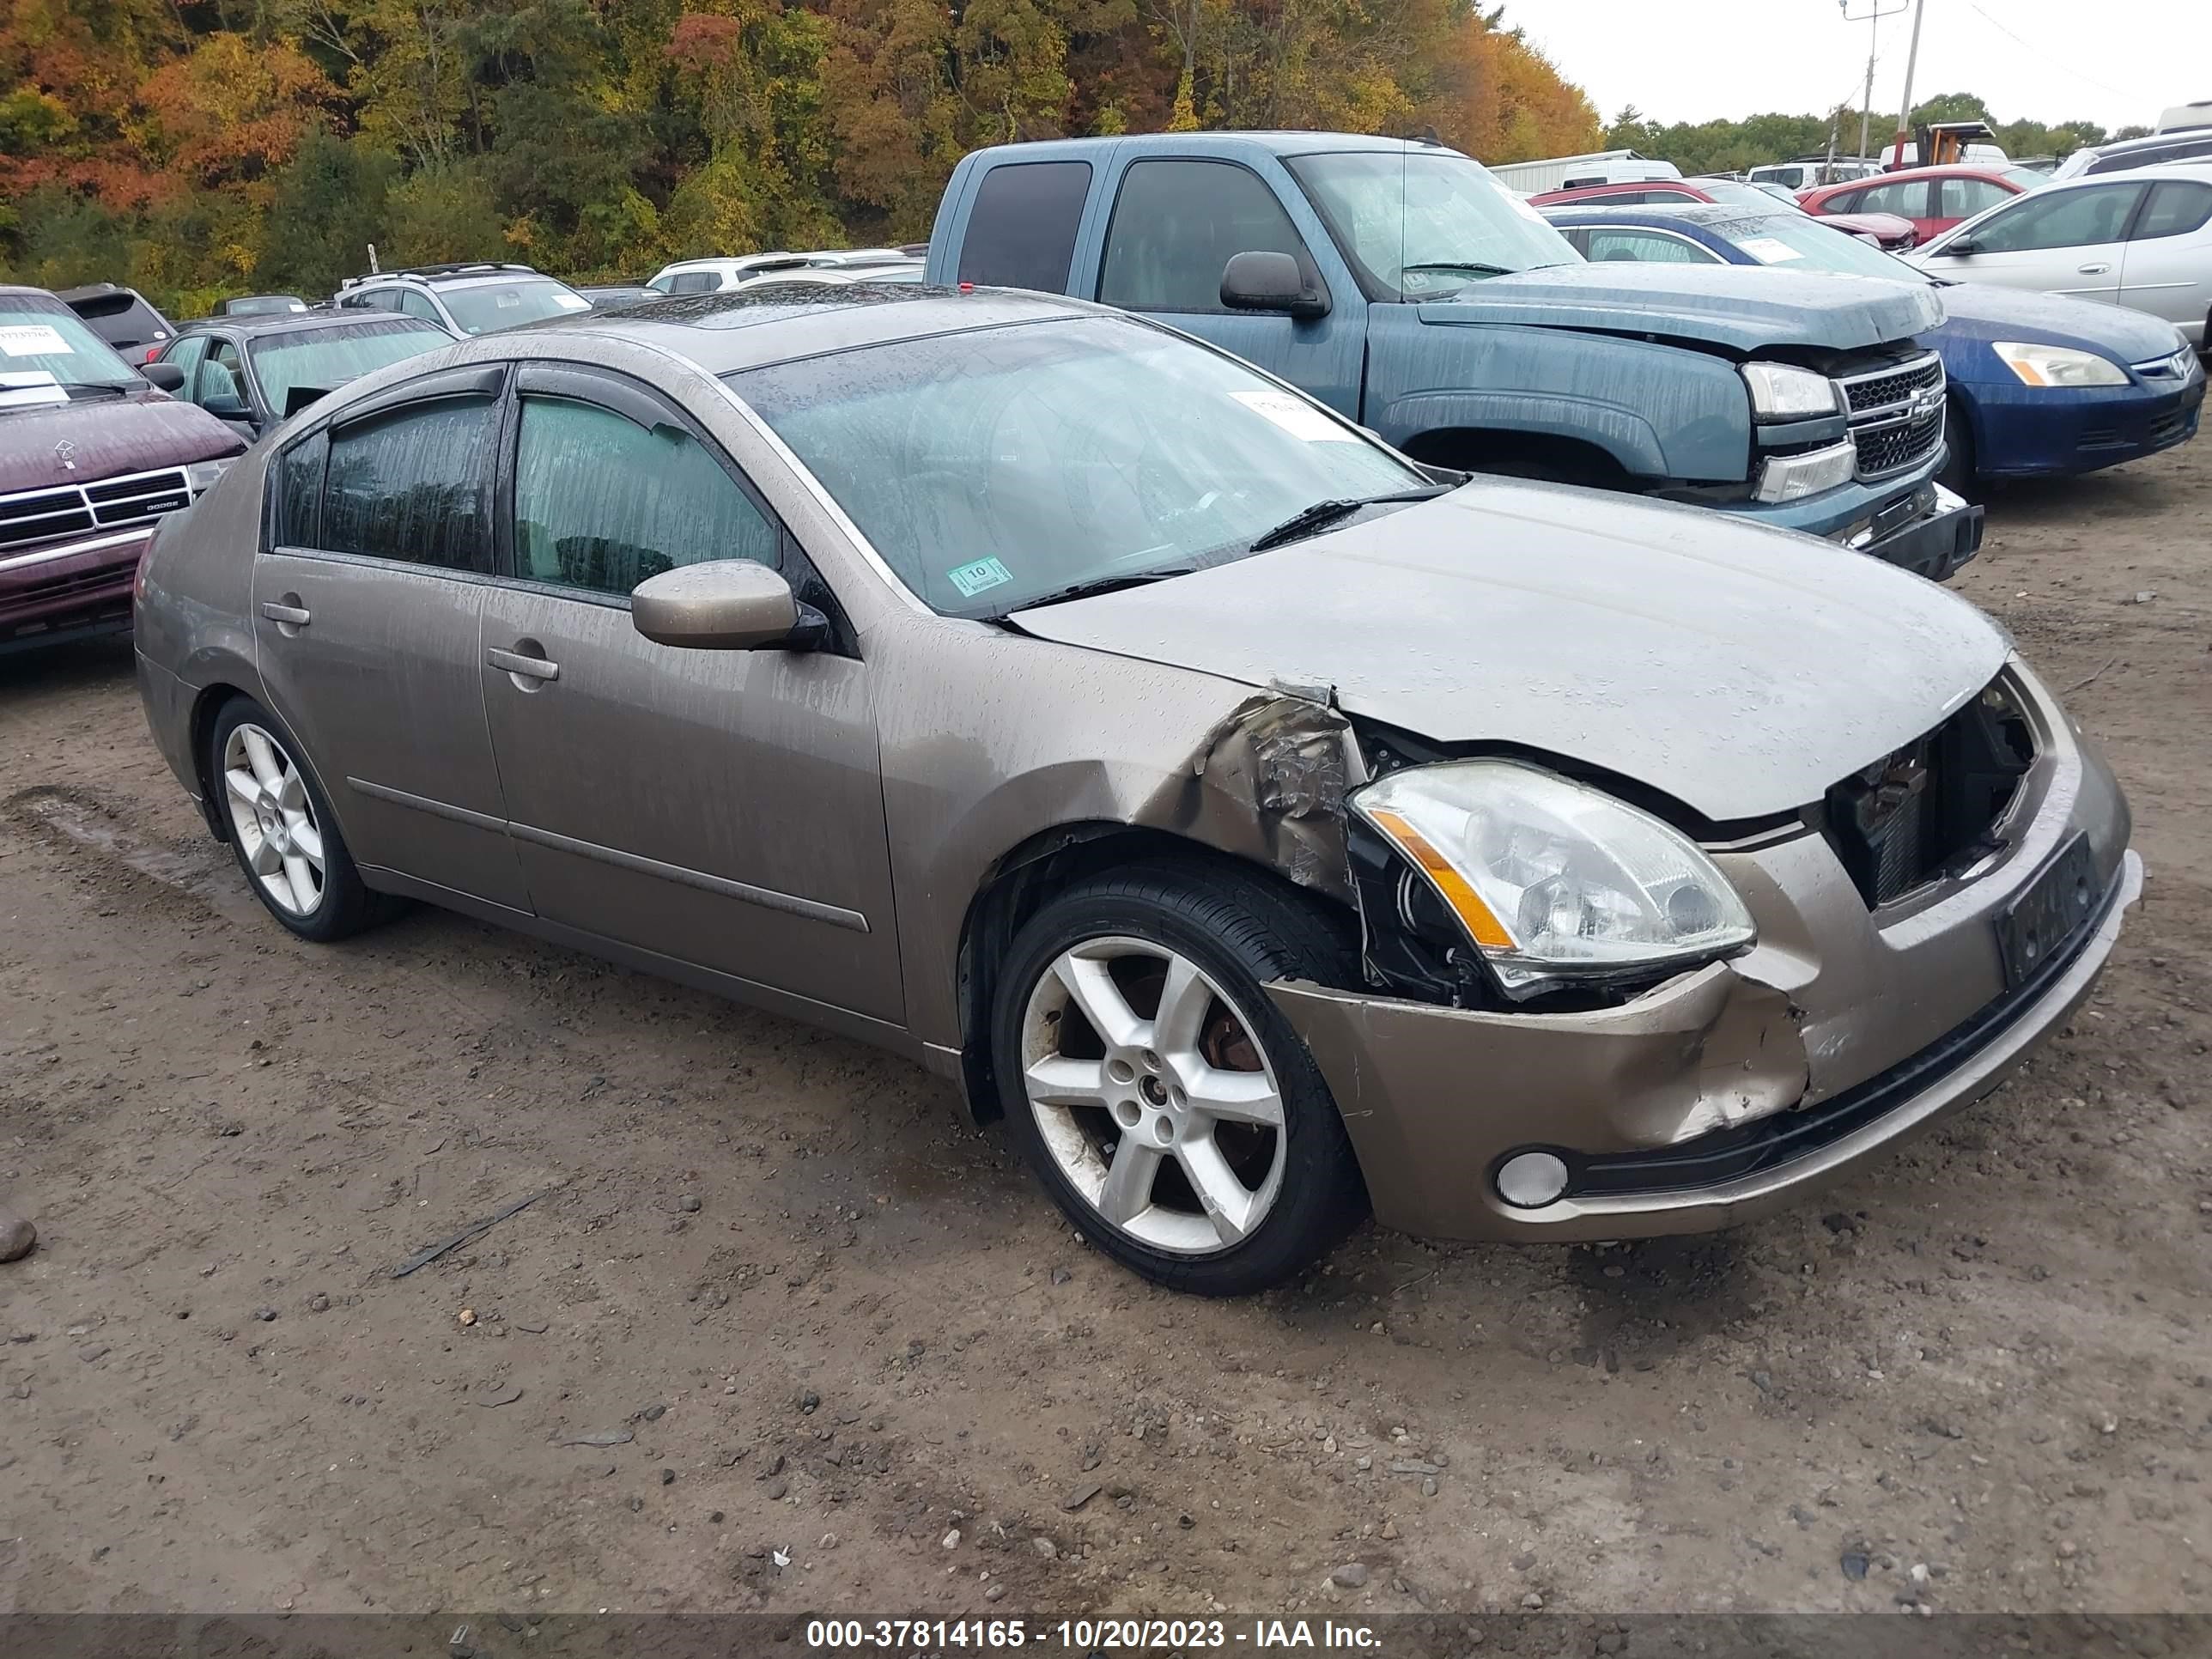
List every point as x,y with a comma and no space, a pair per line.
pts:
273,819
1153,1095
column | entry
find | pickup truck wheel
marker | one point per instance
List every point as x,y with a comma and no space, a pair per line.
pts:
1159,1096
1958,474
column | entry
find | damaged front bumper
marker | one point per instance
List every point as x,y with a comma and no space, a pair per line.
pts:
1730,1091
1931,532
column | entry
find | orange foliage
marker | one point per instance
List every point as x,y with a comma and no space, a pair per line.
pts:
231,111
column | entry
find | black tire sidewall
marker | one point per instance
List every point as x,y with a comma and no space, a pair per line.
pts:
1321,1196
1958,475
346,904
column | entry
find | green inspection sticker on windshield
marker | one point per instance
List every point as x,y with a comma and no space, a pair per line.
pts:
973,578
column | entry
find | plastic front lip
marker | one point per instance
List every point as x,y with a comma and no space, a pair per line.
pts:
1831,997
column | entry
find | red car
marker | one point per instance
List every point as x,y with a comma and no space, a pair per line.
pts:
1934,198
1887,231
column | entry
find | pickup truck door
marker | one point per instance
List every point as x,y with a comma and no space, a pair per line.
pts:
1176,221
2166,269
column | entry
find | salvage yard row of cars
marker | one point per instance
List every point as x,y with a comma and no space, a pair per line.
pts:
1147,671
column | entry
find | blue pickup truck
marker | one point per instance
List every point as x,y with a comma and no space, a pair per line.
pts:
1398,282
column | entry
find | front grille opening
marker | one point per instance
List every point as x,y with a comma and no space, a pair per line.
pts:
1933,806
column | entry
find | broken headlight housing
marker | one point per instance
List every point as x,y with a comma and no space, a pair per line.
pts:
1554,881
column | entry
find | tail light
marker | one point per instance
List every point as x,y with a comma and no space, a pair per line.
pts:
152,352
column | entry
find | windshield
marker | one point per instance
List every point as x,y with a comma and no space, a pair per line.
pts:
2026,177
992,468
482,307
327,358
1415,225
36,341
1797,241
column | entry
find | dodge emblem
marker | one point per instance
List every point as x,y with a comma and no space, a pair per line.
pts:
65,453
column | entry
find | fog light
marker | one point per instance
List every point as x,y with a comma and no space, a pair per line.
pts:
1529,1181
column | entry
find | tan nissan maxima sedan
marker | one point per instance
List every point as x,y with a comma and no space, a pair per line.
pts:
1267,827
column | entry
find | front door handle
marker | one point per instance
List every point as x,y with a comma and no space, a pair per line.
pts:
290,616
521,665
2094,269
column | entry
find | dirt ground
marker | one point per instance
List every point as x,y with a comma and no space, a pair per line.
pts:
778,1302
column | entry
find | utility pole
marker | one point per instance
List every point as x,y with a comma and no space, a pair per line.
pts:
1912,63
1873,20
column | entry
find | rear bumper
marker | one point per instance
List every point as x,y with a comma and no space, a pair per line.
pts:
1942,531
70,590
2021,432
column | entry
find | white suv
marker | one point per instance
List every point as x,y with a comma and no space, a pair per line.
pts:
464,300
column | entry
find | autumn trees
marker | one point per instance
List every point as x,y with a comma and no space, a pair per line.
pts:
195,148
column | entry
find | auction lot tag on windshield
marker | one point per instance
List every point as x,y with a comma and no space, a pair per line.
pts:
1769,250
973,578
32,340
1298,418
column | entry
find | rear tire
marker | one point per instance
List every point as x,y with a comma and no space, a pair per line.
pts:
282,829
1161,1098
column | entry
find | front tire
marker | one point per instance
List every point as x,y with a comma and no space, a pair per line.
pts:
1959,476
282,829
1159,1095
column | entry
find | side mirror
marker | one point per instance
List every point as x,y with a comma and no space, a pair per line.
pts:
168,376
1969,246
299,397
726,604
1269,282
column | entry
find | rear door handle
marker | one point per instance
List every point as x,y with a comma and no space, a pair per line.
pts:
292,616
531,668
2095,270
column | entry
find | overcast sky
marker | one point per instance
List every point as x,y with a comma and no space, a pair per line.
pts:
2117,63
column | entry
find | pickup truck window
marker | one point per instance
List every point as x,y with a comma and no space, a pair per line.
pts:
1419,226
991,469
1177,224
1021,230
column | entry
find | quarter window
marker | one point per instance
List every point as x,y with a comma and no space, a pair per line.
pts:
601,502
1021,230
1177,224
2177,207
694,281
410,486
2065,218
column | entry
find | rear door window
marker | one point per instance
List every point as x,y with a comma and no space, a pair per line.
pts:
1177,224
412,484
1022,226
1907,198
694,281
2176,207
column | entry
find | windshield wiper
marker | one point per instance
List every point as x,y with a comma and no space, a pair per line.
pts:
1311,521
1097,585
1473,265
90,387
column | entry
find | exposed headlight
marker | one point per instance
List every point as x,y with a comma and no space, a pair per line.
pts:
202,475
1554,880
1793,477
1779,392
2058,366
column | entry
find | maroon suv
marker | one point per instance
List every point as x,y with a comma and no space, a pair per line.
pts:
92,454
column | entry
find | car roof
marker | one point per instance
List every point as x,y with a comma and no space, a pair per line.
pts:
1661,216
775,323
1276,143
1940,170
303,322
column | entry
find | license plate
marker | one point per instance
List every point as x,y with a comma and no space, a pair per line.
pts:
2042,920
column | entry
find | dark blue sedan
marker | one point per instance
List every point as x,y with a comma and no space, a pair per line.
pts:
2040,384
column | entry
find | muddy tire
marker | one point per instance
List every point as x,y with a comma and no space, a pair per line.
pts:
1163,1100
282,829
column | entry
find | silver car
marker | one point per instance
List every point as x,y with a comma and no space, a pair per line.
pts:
1268,829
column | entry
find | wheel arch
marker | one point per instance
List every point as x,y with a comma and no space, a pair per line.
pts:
208,704
1022,880
1516,453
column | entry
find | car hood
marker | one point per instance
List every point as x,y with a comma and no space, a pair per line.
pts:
1741,670
1737,306
1982,311
104,437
